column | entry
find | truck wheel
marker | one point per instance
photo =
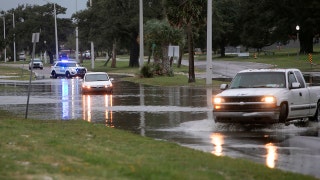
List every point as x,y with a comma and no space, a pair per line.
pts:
316,117
54,75
283,113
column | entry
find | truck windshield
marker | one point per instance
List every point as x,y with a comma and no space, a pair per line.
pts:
259,80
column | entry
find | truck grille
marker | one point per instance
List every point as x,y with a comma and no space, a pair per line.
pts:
243,99
245,104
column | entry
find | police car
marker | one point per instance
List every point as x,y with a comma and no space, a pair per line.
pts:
67,69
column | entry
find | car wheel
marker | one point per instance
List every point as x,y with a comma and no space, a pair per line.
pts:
283,112
68,76
316,117
41,68
54,75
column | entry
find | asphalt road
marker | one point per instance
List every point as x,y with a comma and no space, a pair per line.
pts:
220,69
226,69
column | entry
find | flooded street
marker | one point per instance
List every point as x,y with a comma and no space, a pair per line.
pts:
177,114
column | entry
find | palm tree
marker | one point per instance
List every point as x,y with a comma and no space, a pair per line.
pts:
190,15
160,34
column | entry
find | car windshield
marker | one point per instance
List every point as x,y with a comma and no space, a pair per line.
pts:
259,80
36,60
96,77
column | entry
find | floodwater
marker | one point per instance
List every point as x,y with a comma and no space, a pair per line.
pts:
176,114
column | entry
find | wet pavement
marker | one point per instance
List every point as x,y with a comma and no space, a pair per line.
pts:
177,114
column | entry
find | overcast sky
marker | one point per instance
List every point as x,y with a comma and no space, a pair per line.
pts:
71,5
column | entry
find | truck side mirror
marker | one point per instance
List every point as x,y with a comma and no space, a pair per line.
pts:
223,86
295,85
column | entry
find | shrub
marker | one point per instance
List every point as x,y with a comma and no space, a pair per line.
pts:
147,71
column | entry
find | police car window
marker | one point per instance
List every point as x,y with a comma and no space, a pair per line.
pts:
71,64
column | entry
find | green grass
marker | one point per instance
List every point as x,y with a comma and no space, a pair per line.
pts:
14,73
283,58
76,149
122,67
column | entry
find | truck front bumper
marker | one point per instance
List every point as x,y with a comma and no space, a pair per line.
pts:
261,117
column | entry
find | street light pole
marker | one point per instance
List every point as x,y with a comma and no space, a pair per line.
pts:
141,33
4,38
298,40
56,31
14,39
77,40
209,44
92,48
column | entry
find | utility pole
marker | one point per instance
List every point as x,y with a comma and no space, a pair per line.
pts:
77,40
209,44
56,31
92,48
14,39
4,38
141,34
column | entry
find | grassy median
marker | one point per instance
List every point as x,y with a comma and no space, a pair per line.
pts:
76,149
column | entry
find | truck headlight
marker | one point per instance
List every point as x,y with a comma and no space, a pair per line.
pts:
268,99
217,100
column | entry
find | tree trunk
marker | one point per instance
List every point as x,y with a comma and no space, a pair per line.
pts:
165,60
134,52
222,45
109,54
192,77
306,42
180,57
114,54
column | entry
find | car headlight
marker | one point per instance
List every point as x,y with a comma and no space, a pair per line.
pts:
268,99
86,87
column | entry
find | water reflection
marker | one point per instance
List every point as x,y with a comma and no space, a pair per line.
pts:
217,141
65,99
69,90
142,113
272,155
88,101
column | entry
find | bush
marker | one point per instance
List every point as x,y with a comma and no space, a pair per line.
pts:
147,71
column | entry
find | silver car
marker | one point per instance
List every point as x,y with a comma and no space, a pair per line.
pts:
94,82
37,63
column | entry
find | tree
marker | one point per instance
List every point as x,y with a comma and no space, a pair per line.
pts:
30,19
225,28
113,24
161,34
187,14
271,21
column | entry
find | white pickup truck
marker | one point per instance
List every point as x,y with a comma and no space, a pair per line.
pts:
265,96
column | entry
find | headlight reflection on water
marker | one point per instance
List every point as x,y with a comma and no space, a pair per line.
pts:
217,141
272,155
88,101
